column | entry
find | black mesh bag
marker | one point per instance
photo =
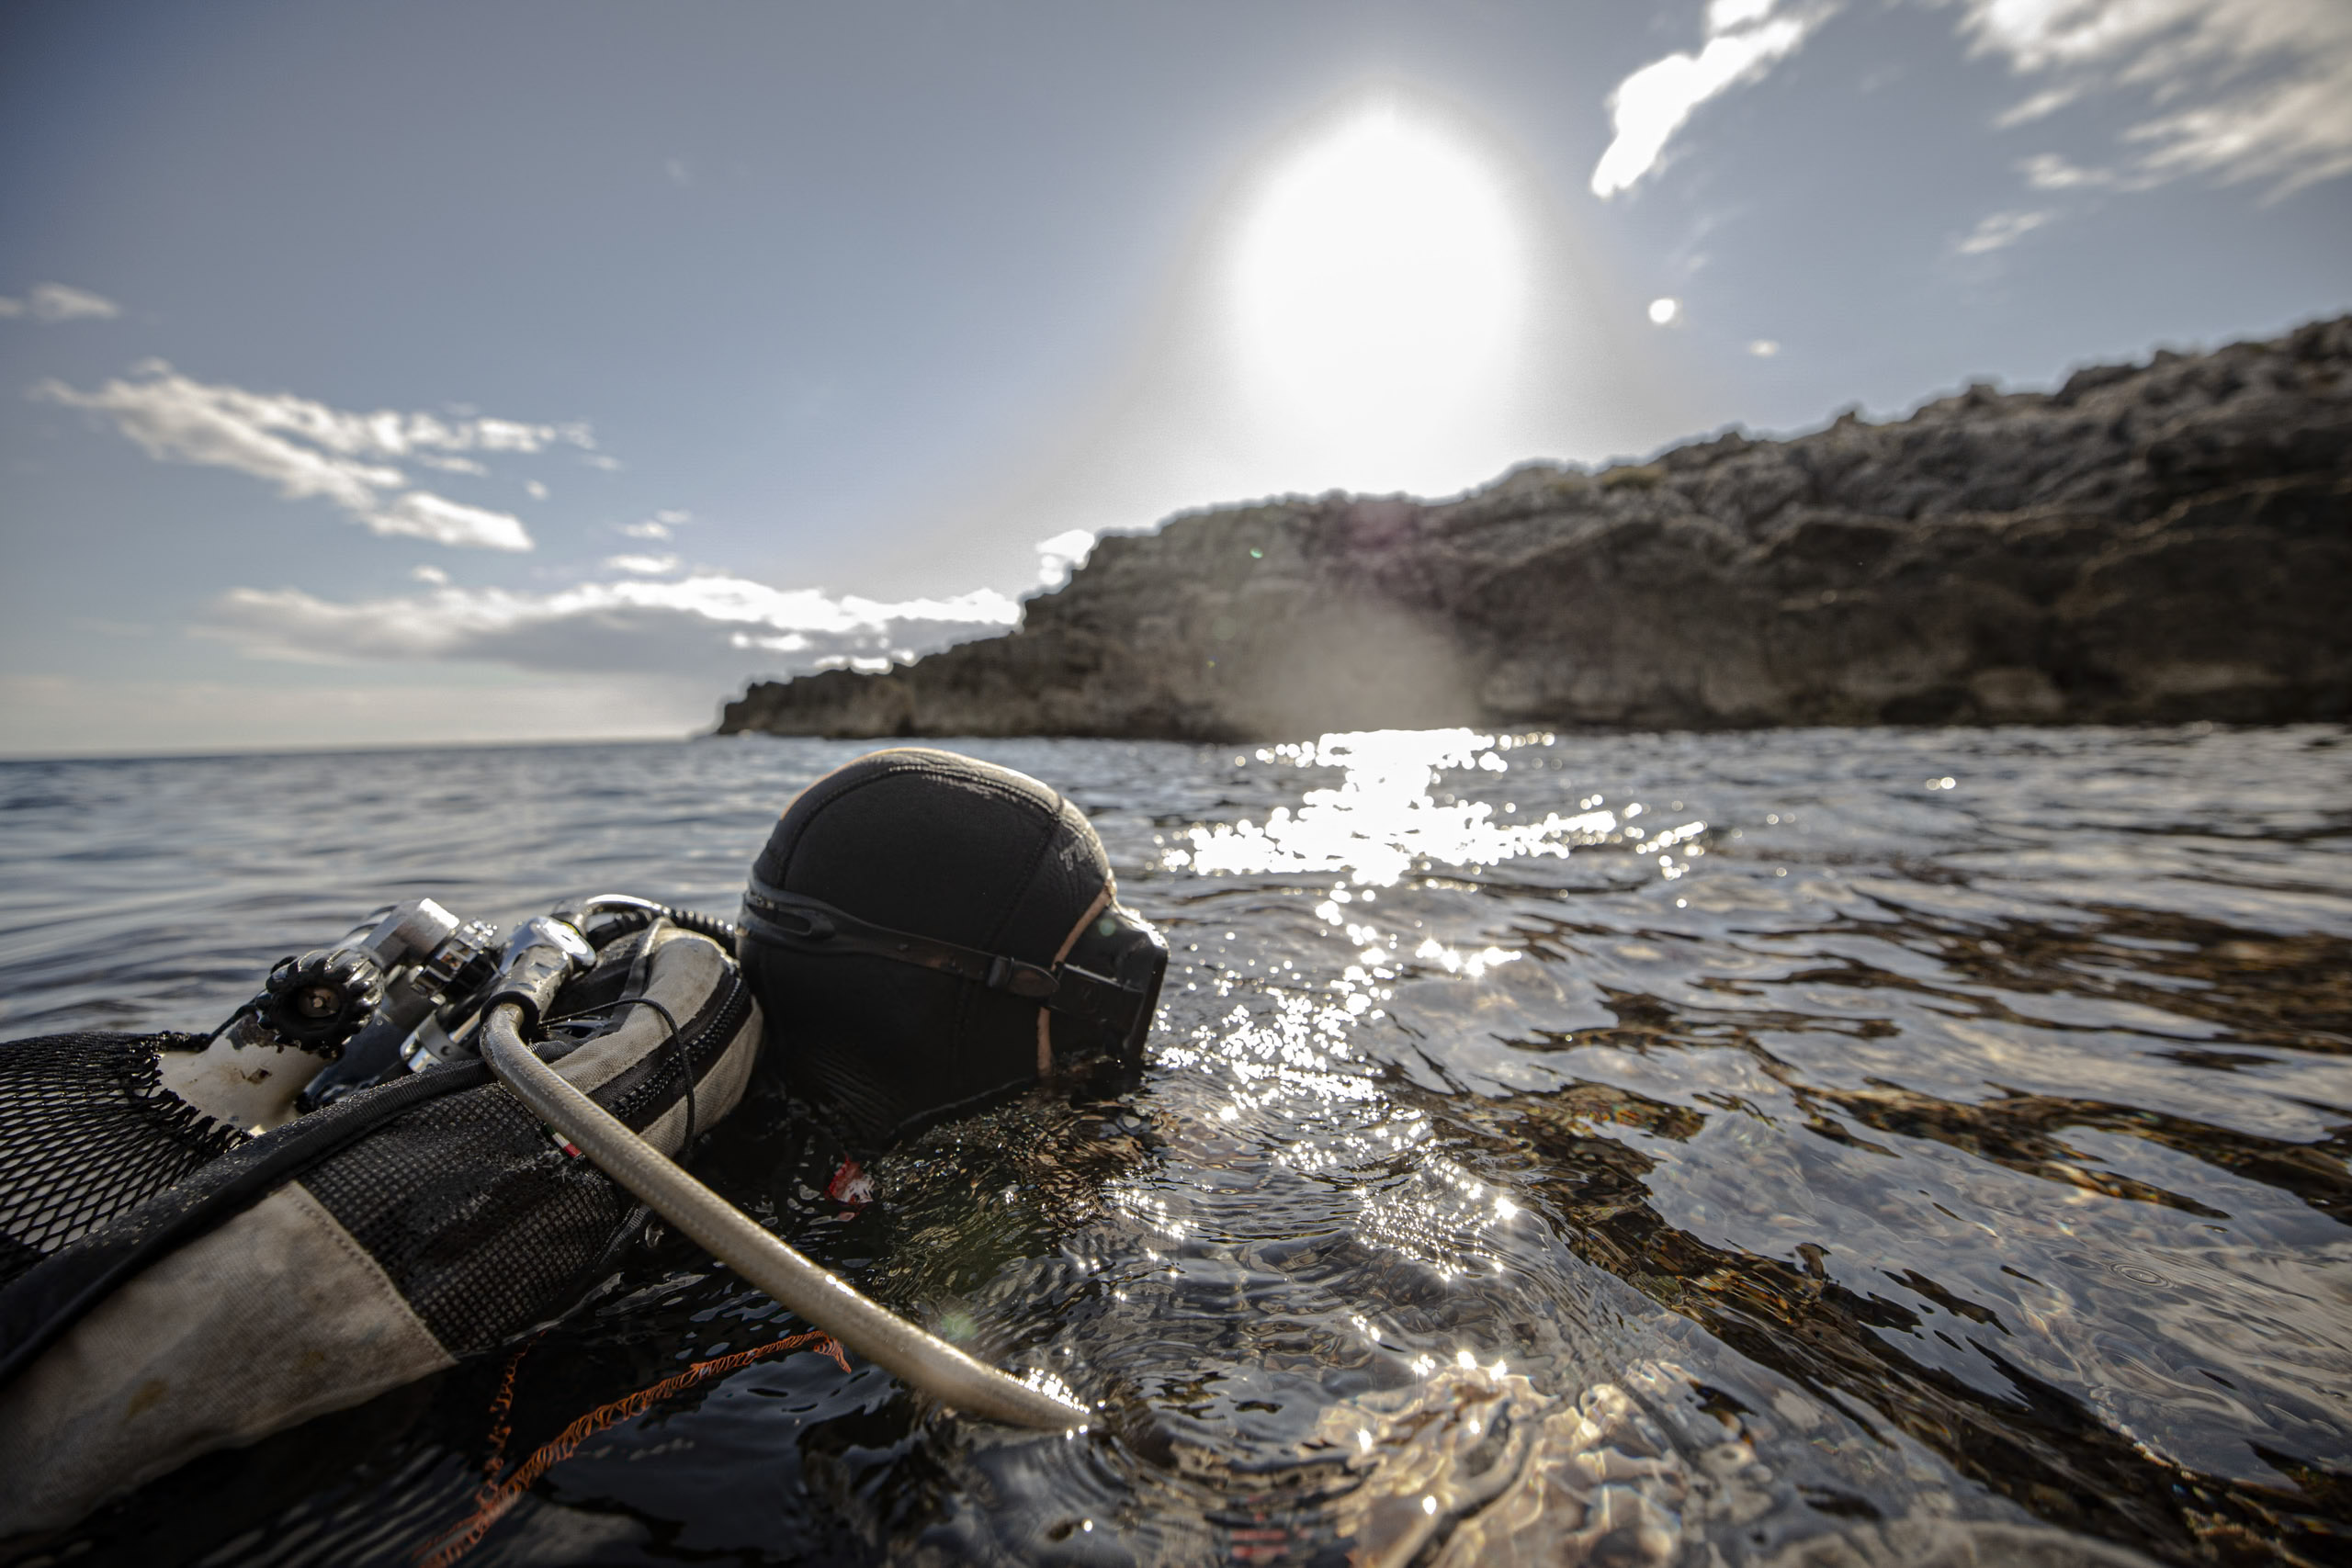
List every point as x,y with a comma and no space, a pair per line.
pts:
180,1287
87,1132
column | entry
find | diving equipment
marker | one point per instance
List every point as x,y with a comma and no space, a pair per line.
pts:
404,1226
201,1266
917,1358
1117,1004
929,933
334,1019
440,964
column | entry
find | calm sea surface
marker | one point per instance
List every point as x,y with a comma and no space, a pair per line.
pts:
1634,1149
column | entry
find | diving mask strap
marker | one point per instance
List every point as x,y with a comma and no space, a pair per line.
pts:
810,925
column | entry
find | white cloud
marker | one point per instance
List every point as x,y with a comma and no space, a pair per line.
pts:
2290,134
534,490
1744,39
1763,348
1063,554
306,448
2240,90
708,626
60,302
661,525
1999,231
643,566
2049,171
2039,107
432,574
1664,312
421,515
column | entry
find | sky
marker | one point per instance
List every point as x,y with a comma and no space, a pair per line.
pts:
395,374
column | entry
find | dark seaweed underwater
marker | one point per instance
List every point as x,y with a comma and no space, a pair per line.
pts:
1816,1147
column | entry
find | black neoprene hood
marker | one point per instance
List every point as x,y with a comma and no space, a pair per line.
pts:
927,932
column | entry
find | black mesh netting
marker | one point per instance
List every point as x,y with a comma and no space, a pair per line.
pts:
86,1132
457,1192
469,1207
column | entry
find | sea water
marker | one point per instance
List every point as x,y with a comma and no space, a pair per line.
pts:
1551,1149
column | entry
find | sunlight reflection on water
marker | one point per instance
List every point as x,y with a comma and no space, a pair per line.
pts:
1384,820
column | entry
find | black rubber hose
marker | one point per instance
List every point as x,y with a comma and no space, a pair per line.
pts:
719,931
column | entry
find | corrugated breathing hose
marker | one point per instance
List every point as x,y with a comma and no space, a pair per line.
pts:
720,932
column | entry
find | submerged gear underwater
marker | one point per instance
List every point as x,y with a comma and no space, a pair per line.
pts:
413,1146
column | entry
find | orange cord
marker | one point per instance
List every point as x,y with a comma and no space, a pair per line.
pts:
501,1410
496,1496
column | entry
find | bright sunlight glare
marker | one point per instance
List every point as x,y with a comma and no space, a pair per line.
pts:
1380,284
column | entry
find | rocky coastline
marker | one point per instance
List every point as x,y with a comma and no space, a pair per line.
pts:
2146,544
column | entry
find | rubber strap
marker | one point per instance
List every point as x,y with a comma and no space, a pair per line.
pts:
795,920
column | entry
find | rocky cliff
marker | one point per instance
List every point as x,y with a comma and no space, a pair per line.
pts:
2162,542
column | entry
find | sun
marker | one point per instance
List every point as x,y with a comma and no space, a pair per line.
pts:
1378,289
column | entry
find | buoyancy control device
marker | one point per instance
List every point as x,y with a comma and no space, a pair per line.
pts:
191,1266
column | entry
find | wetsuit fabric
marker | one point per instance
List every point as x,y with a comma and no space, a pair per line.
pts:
952,849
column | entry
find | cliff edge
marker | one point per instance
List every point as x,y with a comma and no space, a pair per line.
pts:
2154,543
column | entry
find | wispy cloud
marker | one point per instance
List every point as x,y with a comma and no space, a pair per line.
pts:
2242,91
2050,171
307,448
2252,91
643,566
1999,231
1744,40
60,302
709,625
421,515
661,525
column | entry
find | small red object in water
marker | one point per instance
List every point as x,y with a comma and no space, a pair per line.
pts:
849,1185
